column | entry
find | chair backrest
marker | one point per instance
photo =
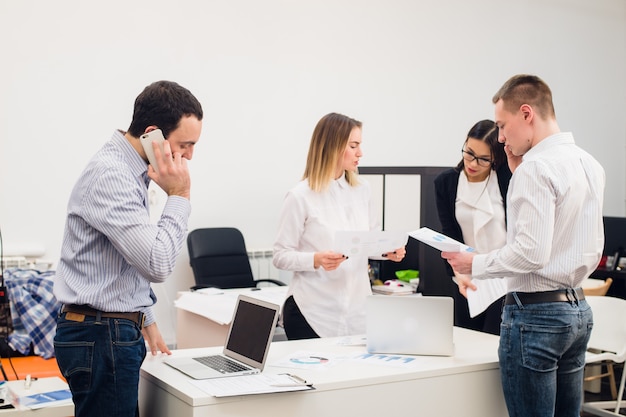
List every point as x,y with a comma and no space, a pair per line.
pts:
601,290
609,324
219,258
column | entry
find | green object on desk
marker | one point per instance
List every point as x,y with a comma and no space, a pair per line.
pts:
407,275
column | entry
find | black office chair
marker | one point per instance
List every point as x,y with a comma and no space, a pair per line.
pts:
219,259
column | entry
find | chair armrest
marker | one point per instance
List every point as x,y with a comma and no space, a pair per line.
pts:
270,280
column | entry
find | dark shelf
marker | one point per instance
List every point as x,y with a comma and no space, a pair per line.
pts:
614,241
618,287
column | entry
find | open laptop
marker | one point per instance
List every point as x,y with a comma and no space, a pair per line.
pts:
247,344
410,325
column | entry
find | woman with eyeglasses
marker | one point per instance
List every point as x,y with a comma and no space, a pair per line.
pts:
471,203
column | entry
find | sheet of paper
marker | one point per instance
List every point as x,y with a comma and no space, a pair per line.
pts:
220,305
369,243
250,384
397,361
217,307
46,399
488,291
439,241
309,360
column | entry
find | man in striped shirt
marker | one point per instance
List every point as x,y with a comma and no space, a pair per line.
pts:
555,240
112,253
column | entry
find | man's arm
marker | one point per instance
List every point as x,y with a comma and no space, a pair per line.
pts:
153,336
461,263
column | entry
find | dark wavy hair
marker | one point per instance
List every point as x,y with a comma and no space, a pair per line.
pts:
163,104
487,131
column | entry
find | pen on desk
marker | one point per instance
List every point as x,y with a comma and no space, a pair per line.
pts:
297,382
297,378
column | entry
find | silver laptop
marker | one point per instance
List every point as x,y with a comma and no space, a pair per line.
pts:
410,325
247,344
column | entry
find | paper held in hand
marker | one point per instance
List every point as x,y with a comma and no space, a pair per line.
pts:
439,241
488,290
369,243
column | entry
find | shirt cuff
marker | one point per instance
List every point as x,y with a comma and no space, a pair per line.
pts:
178,204
479,266
149,317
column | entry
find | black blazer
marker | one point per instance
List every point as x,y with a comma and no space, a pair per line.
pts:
446,185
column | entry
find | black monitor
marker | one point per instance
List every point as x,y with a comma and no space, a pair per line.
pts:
614,235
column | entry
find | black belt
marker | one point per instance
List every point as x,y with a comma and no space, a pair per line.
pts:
568,295
137,316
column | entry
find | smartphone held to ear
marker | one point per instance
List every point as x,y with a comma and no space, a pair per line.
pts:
146,141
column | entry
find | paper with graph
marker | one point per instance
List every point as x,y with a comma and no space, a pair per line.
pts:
368,243
439,241
487,290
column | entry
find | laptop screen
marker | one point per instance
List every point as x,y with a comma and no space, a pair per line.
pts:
251,330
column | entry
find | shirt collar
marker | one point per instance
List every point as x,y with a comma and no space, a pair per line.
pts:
561,138
138,166
341,182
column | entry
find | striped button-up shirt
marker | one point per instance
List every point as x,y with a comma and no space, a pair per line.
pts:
555,235
111,251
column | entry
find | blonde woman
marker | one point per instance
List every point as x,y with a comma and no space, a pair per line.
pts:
327,293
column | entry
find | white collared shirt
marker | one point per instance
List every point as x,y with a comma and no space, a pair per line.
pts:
333,302
480,213
555,235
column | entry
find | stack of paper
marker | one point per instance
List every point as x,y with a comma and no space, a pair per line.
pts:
45,399
40,393
262,383
392,289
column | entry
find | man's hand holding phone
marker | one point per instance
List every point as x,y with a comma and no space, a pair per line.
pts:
169,170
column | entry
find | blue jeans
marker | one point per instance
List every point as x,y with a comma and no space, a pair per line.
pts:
101,361
542,357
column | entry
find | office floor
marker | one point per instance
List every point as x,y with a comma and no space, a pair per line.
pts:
605,392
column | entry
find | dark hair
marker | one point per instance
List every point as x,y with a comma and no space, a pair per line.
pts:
526,89
328,144
487,131
163,104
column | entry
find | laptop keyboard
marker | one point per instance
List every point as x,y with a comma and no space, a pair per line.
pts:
221,364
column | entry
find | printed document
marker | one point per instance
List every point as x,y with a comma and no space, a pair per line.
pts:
252,384
487,290
369,243
439,241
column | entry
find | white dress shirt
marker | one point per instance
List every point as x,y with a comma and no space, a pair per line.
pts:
333,302
480,213
555,234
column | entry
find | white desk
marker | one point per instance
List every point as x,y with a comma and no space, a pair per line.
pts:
467,384
39,386
203,319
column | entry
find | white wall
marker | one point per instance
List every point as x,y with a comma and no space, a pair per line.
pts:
417,73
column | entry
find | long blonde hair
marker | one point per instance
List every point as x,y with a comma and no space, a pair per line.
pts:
328,144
